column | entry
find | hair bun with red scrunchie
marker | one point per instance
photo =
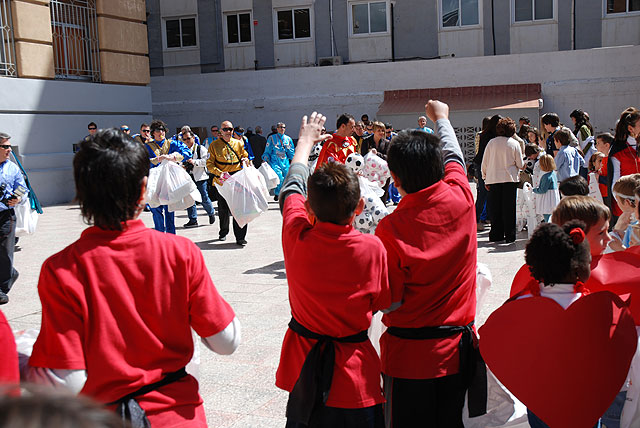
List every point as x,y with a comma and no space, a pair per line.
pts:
577,235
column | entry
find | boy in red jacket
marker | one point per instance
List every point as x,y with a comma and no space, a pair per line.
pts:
337,278
431,249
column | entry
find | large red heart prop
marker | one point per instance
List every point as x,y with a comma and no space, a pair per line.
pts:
566,366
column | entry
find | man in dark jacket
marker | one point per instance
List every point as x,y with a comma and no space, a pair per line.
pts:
258,143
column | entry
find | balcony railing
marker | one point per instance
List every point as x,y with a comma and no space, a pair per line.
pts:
7,52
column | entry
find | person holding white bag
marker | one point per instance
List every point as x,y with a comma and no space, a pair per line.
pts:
161,148
197,168
226,157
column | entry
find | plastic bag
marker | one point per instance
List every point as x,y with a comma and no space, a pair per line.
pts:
270,177
186,202
526,209
376,169
246,195
26,218
151,194
174,183
374,209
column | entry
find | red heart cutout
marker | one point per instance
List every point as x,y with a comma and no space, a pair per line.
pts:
566,366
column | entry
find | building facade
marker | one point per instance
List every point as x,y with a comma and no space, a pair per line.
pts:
63,64
201,36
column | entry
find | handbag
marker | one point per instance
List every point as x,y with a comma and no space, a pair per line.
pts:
26,218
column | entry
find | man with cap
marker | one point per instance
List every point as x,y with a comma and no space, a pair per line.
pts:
12,189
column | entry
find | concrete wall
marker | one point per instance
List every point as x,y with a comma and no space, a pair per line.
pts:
49,116
570,79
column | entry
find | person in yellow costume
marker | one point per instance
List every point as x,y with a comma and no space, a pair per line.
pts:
226,157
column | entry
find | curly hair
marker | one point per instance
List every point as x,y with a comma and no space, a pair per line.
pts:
506,127
552,255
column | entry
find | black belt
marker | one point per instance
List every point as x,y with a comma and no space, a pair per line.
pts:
472,367
314,383
226,163
129,409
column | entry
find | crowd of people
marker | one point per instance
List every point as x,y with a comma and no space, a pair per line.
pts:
116,322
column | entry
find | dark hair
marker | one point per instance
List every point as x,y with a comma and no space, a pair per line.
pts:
550,119
552,254
344,119
364,115
158,125
333,193
562,136
485,123
525,119
53,409
535,132
583,208
388,126
92,124
606,137
531,149
575,185
108,170
144,125
506,127
415,158
629,117
581,119
491,127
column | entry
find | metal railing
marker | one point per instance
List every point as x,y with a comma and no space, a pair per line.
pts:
7,52
75,39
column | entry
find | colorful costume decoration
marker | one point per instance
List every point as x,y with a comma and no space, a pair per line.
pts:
336,149
278,153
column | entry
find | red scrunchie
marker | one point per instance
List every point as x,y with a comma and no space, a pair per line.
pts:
577,235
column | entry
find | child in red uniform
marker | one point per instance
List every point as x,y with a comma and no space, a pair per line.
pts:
341,144
118,305
431,249
337,278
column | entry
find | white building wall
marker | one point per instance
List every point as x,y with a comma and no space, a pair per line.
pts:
179,57
45,121
461,42
532,37
621,30
370,48
570,79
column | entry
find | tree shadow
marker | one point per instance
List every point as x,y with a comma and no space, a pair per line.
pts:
276,269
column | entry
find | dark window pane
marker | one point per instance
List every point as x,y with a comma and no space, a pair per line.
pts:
616,6
378,12
360,16
245,27
469,12
544,9
303,25
188,32
285,25
449,13
634,5
173,33
523,10
232,28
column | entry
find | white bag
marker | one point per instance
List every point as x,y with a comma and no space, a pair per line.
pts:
186,202
26,218
151,194
174,183
374,209
376,169
594,188
270,176
245,193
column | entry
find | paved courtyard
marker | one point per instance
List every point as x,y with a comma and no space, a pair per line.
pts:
238,390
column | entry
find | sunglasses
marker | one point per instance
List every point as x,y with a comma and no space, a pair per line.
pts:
214,130
227,129
5,146
92,129
146,130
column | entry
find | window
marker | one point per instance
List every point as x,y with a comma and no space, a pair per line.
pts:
623,6
458,13
294,24
75,39
532,10
180,32
239,28
369,17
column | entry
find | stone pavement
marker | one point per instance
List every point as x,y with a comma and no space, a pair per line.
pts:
238,390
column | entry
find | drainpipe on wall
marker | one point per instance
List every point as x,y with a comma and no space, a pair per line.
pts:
393,44
573,25
333,51
493,28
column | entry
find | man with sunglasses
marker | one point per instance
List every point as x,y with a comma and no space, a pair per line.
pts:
144,135
226,157
11,179
215,134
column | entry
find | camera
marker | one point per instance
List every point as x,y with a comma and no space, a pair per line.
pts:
18,193
188,166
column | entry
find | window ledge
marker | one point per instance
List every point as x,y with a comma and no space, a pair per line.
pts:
534,22
619,15
293,41
461,28
188,49
370,35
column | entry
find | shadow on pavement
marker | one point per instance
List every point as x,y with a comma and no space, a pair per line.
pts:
215,244
275,268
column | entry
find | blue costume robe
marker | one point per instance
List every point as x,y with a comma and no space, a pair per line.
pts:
278,153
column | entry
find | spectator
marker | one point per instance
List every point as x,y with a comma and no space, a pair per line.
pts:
388,129
574,186
125,129
623,157
500,166
568,159
215,134
487,134
258,144
197,168
278,154
422,125
145,134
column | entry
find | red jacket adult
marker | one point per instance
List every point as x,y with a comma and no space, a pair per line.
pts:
431,250
337,148
622,160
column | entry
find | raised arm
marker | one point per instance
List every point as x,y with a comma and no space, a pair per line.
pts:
438,112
